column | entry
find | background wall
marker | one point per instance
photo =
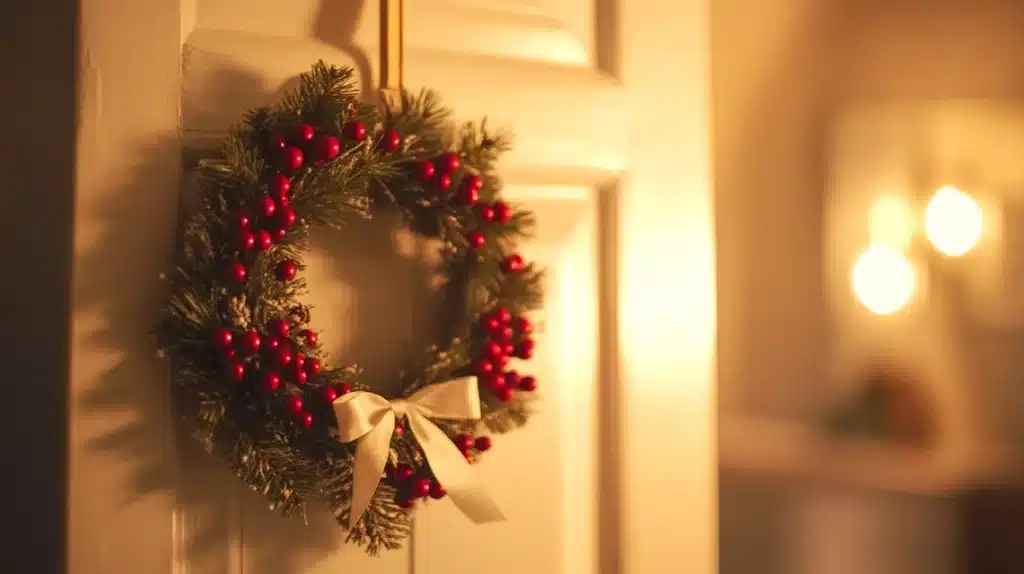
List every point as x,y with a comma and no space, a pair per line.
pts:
779,72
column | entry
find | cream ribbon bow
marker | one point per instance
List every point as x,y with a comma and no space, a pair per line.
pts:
370,419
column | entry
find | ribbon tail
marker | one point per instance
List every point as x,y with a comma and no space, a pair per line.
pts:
453,472
371,457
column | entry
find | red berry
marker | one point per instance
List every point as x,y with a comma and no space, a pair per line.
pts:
281,186
448,163
310,337
222,337
305,419
283,356
512,264
443,182
494,350
505,394
485,212
304,133
246,240
277,142
512,378
496,382
482,443
524,350
299,376
267,207
286,217
489,323
251,342
271,343
523,325
404,472
355,131
313,367
278,328
329,394
263,240
343,389
437,491
502,212
299,360
464,442
229,354
484,367
503,334
237,371
236,272
469,196
503,315
510,349
293,403
327,147
280,232
286,270
271,381
291,158
528,384
405,502
476,240
399,430
425,170
420,487
391,141
241,220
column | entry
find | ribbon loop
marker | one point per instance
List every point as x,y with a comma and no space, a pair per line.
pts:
370,419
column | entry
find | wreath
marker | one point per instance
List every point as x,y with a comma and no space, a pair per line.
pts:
250,376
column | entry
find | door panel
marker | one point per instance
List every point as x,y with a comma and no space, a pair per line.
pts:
617,171
543,475
524,66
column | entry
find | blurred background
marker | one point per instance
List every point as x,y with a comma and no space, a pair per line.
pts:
870,221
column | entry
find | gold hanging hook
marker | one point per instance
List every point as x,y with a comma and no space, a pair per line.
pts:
391,48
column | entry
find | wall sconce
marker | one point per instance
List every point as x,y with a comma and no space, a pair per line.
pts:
883,278
953,221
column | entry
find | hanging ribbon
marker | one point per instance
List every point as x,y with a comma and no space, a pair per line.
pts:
370,419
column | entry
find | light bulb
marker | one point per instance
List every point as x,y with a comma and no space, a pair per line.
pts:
891,222
953,221
883,280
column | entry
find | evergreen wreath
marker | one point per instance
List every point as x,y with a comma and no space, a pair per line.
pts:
250,377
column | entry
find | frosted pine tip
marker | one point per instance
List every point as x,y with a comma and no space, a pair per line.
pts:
162,276
160,354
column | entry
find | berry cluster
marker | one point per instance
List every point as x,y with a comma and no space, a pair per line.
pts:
276,362
469,445
272,359
412,484
502,337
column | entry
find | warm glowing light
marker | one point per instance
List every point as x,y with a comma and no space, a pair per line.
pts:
883,280
953,221
891,222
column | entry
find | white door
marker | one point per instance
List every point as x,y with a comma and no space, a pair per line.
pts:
608,102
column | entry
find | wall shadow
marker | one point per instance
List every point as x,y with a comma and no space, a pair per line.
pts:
335,25
123,289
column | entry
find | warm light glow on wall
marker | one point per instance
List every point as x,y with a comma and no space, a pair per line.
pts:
891,222
883,279
953,221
